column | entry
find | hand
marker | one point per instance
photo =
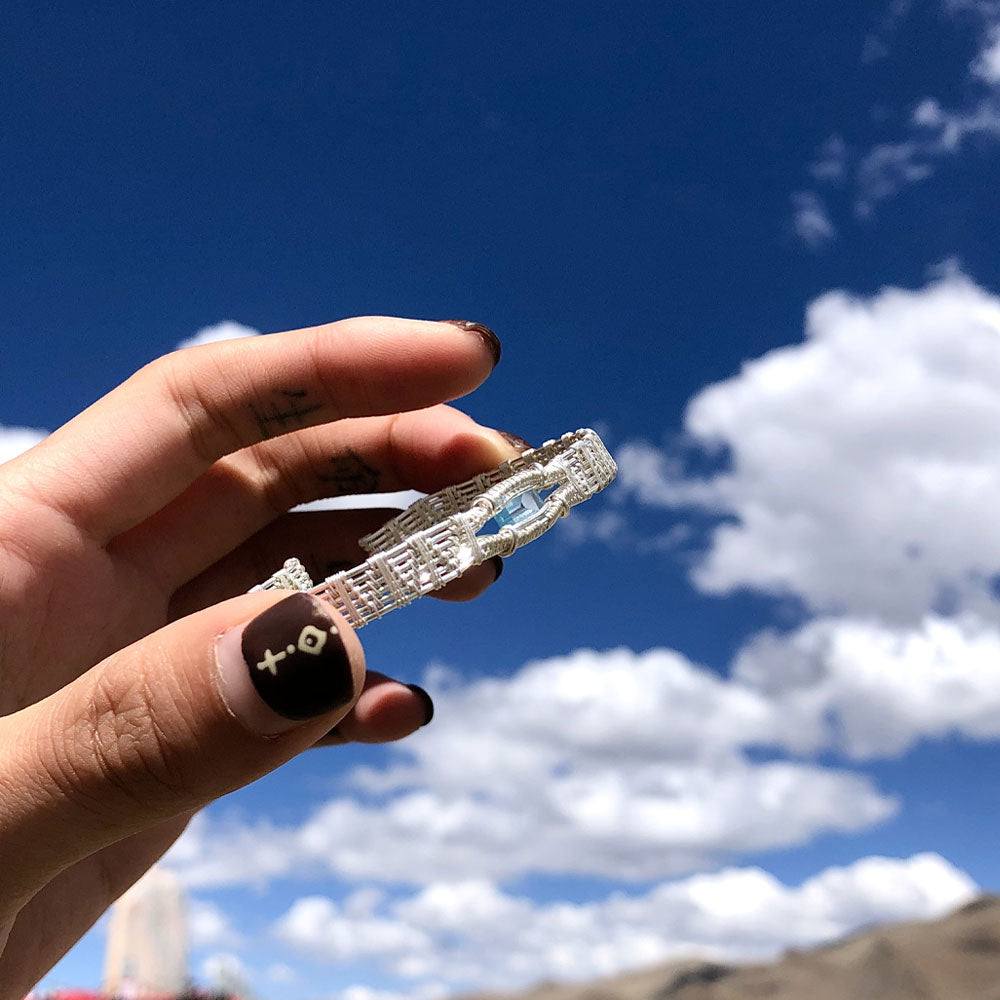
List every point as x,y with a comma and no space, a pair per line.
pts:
129,696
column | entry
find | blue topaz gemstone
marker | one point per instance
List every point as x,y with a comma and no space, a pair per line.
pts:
519,509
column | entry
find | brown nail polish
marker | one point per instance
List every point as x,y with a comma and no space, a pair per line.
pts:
516,441
491,340
297,659
498,566
426,699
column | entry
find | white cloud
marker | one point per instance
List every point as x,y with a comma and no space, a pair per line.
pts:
321,927
226,971
932,132
16,440
867,689
209,927
810,220
226,330
651,779
474,935
986,65
863,470
427,990
227,851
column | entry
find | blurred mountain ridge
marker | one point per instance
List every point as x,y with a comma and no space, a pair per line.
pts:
954,958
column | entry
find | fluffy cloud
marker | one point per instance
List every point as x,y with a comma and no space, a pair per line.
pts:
209,927
473,935
863,474
867,689
653,778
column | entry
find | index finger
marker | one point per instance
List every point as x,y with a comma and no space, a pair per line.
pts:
137,448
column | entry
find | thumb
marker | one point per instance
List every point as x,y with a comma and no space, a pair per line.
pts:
168,724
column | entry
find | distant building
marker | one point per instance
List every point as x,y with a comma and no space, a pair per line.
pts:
147,940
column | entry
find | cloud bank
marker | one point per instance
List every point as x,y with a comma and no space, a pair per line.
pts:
458,935
863,474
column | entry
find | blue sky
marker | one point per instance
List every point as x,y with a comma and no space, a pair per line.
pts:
749,697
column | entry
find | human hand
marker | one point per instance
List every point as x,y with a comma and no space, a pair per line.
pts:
129,696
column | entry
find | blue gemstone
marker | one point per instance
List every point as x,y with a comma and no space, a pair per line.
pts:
519,509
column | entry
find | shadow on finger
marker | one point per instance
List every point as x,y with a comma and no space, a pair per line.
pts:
325,542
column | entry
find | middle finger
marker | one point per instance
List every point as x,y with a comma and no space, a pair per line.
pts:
239,495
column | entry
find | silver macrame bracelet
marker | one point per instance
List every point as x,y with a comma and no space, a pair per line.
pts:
436,539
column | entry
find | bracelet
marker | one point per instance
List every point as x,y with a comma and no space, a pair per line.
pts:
436,539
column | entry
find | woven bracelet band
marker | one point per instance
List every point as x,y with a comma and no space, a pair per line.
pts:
436,539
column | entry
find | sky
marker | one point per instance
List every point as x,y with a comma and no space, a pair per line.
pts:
746,699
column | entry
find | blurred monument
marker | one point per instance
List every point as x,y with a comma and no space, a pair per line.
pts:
147,939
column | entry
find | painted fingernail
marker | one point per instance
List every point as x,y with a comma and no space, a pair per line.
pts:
498,566
292,659
426,699
516,441
491,340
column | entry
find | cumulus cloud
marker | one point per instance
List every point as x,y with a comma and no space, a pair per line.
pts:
867,689
653,778
226,330
863,474
15,440
209,927
472,934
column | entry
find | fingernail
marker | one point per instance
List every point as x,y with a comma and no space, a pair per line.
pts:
426,699
516,441
289,664
498,566
491,340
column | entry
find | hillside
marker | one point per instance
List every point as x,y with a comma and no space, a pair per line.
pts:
955,958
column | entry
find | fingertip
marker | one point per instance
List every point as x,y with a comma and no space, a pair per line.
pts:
292,663
386,711
484,333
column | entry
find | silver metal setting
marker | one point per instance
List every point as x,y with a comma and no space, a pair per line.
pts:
436,539
291,576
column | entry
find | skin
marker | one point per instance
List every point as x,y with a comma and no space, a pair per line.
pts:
128,539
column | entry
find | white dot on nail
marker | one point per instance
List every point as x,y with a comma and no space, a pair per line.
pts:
291,649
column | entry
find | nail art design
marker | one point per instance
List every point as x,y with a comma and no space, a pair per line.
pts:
297,659
491,340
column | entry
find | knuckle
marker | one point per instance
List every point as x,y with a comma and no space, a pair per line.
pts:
207,424
114,754
279,473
